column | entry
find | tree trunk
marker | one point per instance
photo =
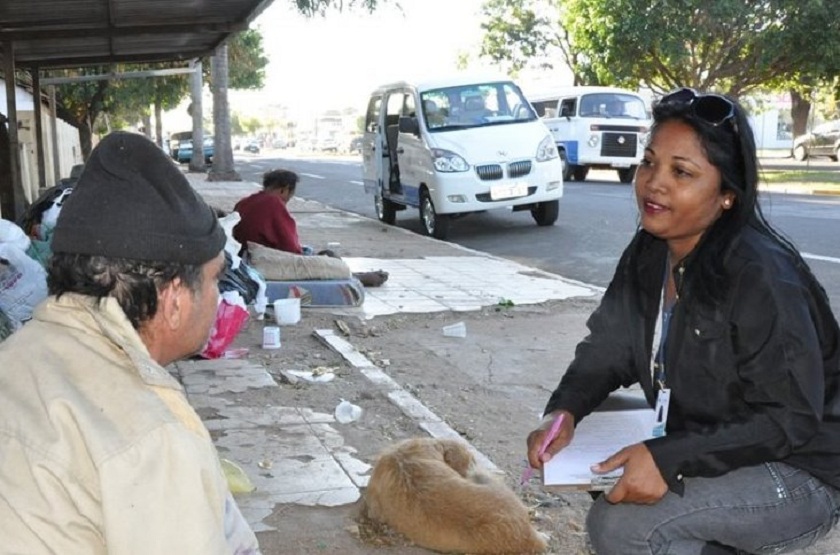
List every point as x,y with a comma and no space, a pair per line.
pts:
800,108
7,196
222,169
85,140
197,161
158,123
147,124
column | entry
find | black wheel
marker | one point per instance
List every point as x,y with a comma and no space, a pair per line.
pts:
800,152
581,172
386,211
545,213
567,167
434,224
626,175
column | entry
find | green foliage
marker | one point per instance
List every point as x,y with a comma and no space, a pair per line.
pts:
515,33
320,7
731,46
246,61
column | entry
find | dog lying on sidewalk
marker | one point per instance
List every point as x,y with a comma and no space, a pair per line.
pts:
430,491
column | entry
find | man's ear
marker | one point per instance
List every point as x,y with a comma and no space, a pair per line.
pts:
171,303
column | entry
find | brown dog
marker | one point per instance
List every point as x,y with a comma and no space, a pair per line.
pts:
430,491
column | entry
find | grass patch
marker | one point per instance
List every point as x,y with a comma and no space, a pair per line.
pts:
801,176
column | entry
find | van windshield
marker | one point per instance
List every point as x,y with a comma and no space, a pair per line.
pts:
612,105
476,105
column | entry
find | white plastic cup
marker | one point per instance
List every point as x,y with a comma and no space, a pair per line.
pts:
287,311
347,412
271,337
455,330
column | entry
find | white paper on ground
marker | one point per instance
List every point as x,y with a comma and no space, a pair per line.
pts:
597,437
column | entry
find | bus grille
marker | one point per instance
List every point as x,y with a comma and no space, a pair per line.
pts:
619,144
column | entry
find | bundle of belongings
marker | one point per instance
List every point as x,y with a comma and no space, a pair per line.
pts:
23,280
24,252
317,280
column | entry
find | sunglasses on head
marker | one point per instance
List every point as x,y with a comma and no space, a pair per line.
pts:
714,109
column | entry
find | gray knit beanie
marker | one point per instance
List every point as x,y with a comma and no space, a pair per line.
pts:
131,201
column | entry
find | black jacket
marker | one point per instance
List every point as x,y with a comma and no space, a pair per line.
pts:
754,379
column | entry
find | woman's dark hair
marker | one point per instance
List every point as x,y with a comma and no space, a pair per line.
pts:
730,147
280,179
134,284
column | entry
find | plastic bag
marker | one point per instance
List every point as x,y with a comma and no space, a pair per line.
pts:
231,316
232,246
237,480
239,279
12,234
23,283
50,215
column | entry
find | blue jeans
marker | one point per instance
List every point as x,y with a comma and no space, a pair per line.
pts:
769,508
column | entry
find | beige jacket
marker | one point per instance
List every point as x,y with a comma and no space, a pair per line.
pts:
99,450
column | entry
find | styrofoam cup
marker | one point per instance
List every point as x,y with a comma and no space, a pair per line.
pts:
287,311
455,330
271,337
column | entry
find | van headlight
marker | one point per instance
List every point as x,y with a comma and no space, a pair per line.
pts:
547,150
447,161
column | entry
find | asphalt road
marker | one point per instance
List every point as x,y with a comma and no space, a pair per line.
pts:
597,218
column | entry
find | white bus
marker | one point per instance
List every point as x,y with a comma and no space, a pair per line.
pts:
596,127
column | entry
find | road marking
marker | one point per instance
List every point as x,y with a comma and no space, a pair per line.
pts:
357,182
821,258
313,176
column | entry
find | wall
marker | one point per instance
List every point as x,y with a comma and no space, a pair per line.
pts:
69,148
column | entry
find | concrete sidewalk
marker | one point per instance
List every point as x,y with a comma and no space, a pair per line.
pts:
426,275
300,456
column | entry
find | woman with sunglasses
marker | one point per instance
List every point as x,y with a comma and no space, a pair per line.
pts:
722,323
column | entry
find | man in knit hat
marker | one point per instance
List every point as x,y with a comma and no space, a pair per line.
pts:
99,450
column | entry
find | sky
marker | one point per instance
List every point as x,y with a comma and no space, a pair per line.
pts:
334,61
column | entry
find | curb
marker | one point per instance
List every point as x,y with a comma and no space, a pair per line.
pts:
402,399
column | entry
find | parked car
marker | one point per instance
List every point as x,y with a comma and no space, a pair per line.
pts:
327,145
185,150
823,140
355,145
253,147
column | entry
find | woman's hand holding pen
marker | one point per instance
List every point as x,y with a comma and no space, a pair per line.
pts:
541,445
641,481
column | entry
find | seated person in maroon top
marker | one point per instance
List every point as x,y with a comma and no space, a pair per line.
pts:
267,221
265,218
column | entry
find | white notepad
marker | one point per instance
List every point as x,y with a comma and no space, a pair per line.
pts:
597,437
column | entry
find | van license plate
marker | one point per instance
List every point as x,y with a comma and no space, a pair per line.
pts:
499,192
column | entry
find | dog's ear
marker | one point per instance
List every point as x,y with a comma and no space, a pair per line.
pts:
457,456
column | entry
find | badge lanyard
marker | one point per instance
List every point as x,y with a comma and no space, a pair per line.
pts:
657,363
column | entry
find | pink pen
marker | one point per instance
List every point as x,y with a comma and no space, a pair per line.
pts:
549,437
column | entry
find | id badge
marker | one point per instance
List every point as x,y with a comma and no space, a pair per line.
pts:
663,398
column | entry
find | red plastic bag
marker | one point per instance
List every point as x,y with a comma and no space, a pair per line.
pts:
230,319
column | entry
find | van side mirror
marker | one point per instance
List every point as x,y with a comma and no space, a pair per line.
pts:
408,124
566,112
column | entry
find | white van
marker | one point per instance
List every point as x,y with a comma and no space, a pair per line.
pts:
596,127
451,147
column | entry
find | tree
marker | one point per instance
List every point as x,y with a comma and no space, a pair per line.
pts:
222,169
730,46
320,7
